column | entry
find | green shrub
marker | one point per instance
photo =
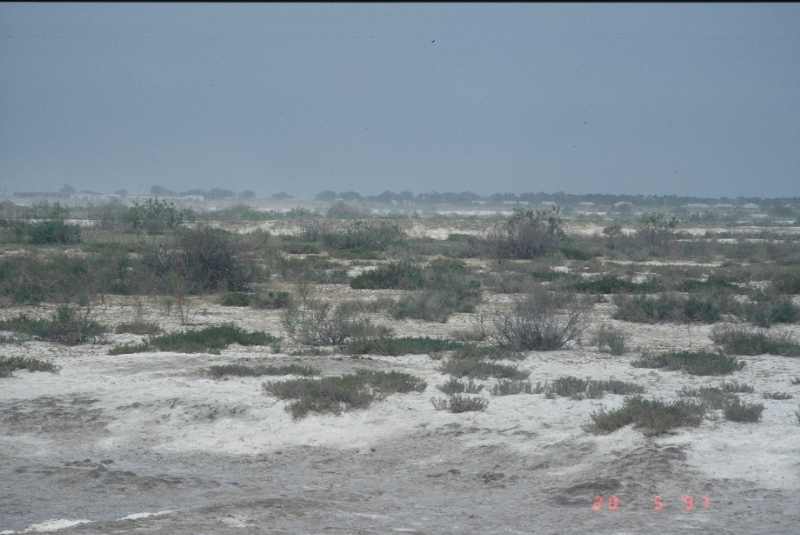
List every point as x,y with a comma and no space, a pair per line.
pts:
717,397
206,340
786,281
335,394
578,389
138,327
127,349
692,362
392,382
273,299
65,326
154,217
610,284
743,412
54,232
506,387
610,340
652,416
479,369
535,324
526,234
399,275
778,395
767,310
645,309
363,237
241,370
473,351
11,364
318,325
737,340
459,403
236,299
454,386
399,346
714,284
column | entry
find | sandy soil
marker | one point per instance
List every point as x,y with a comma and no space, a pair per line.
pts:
149,442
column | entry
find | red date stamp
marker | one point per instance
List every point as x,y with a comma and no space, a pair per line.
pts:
612,503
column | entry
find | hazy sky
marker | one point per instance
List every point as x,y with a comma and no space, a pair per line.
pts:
694,99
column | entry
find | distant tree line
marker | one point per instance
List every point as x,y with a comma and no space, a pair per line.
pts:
559,198
213,195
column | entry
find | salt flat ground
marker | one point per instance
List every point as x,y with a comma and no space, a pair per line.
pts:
149,442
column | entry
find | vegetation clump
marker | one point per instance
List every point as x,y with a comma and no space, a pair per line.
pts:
578,389
207,340
241,370
692,362
138,327
652,416
610,284
454,386
736,340
408,345
335,394
535,323
11,364
458,403
506,387
66,326
480,369
610,340
318,324
666,308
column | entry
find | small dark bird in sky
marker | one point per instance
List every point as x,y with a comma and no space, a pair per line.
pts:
433,41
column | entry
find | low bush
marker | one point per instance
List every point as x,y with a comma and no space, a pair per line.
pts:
713,284
320,325
737,411
766,310
460,403
454,386
241,370
692,362
53,232
778,395
236,299
66,326
736,340
207,340
362,237
535,323
717,397
578,389
397,275
666,308
786,281
273,299
11,364
610,284
399,346
652,416
480,369
526,234
506,387
473,351
610,340
138,327
335,394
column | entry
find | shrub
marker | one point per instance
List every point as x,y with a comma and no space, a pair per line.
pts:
342,210
578,389
610,284
66,326
154,217
479,369
527,234
717,397
652,416
363,237
236,299
767,310
778,395
473,351
273,299
317,325
645,309
714,284
737,411
459,403
138,327
610,340
207,259
399,346
737,340
454,386
54,232
241,370
11,364
786,282
207,340
505,387
692,362
399,275
534,324
334,394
